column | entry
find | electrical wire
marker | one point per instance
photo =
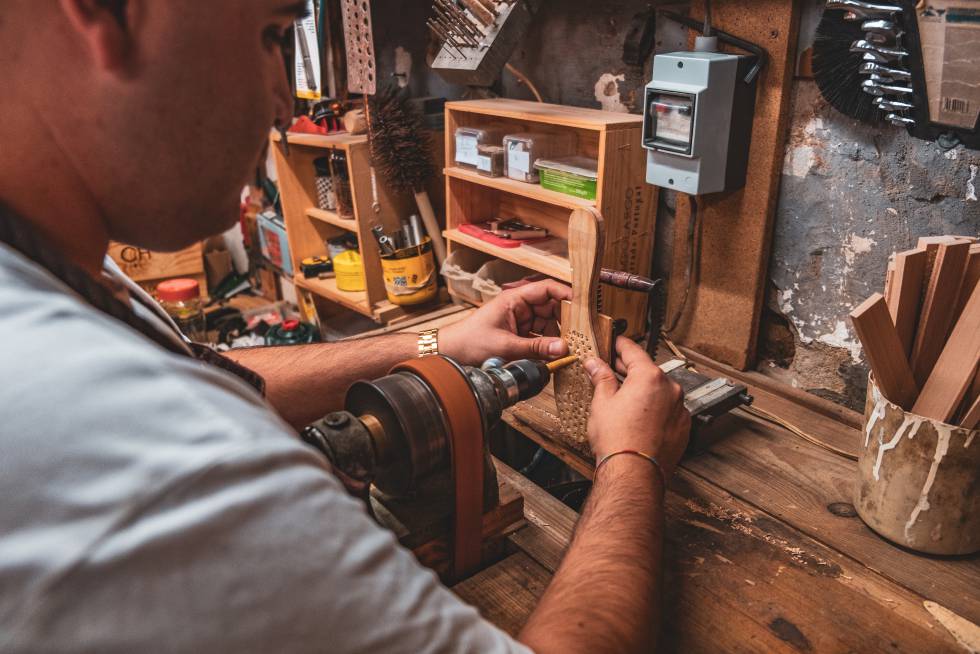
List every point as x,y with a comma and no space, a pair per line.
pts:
693,259
762,414
707,18
523,79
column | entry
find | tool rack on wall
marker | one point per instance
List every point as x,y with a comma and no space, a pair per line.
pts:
308,227
627,203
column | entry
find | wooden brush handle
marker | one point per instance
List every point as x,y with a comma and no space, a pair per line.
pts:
431,225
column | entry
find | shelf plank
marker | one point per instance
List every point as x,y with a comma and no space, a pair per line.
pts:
353,300
548,264
551,114
332,218
532,191
341,140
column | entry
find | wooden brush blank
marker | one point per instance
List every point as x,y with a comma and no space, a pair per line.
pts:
970,278
883,350
938,307
955,368
905,293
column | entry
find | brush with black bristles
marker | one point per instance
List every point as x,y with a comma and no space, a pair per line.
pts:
402,152
836,69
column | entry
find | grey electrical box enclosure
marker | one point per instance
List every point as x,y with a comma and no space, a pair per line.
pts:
697,121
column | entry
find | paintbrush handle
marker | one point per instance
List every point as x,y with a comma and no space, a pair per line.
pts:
431,225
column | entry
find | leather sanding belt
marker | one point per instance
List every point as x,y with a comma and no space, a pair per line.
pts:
465,423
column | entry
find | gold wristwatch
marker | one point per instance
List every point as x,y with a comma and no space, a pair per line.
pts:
428,343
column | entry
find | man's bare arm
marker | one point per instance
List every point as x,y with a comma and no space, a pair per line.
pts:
605,596
306,382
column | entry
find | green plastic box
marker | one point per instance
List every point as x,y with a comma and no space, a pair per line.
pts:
575,176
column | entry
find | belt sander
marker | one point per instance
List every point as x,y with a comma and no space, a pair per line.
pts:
414,444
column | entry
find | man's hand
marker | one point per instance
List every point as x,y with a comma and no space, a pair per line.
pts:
646,413
502,327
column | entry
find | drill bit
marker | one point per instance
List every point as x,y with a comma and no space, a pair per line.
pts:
564,362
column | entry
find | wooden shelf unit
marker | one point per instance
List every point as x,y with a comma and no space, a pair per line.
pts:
627,203
308,227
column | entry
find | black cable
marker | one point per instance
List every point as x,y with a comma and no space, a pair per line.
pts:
693,258
707,18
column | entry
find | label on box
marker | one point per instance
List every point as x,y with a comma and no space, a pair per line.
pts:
466,149
518,159
483,163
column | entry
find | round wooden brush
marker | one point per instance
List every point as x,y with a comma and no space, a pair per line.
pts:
402,153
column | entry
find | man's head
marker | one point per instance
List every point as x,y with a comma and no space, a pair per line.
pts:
152,113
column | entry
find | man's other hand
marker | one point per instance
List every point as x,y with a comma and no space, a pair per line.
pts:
646,413
503,326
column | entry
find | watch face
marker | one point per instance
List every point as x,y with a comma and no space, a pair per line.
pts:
670,121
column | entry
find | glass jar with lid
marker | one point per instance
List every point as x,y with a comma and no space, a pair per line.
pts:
181,299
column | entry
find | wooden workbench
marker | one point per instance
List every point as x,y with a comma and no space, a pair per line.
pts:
763,551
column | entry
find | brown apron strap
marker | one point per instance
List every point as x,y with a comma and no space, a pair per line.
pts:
466,451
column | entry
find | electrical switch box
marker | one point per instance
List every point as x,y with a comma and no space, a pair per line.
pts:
697,121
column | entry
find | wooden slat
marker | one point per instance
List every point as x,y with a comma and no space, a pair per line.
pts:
548,113
938,307
507,592
721,319
905,293
883,350
972,395
971,419
971,277
890,277
956,367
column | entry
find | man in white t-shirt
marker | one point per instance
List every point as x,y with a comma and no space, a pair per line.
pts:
151,502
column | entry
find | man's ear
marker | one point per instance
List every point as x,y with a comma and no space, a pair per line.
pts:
104,28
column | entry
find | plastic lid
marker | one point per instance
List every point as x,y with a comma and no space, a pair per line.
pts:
583,166
290,325
177,290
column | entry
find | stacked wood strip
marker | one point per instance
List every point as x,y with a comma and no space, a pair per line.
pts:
922,338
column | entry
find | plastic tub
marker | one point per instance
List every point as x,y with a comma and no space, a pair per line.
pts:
459,270
469,139
576,176
349,271
493,275
490,160
525,148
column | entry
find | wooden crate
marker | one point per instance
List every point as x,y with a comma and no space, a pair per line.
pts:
308,227
627,203
149,268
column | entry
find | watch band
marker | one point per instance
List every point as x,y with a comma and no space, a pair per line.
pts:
428,343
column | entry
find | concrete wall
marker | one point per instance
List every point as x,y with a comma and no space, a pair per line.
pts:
850,194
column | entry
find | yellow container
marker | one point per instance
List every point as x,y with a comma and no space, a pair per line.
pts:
410,274
349,271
